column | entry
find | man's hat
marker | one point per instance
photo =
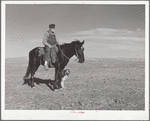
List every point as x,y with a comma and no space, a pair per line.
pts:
52,25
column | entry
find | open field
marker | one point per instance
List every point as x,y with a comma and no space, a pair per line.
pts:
97,84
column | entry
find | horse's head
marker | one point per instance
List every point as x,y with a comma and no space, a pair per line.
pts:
79,51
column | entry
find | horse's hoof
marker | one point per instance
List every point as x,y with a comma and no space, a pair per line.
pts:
51,87
55,90
60,86
25,78
32,86
23,83
56,87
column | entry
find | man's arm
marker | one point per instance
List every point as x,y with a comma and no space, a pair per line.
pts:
45,41
57,40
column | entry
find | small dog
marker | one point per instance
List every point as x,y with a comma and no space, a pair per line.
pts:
65,75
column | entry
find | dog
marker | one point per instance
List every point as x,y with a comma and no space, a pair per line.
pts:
65,75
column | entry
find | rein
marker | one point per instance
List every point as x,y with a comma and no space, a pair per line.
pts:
66,56
63,53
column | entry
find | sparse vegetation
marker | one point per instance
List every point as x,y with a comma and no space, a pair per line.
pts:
97,84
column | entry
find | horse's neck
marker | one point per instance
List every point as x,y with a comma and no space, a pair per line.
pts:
69,51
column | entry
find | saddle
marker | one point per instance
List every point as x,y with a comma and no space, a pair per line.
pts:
41,51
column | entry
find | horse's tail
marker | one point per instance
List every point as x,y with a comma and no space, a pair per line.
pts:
28,71
34,57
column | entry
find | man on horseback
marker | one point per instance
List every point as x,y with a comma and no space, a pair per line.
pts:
58,59
50,42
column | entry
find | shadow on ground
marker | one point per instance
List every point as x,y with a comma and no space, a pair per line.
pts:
39,81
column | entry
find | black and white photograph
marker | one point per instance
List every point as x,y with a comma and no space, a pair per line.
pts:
82,59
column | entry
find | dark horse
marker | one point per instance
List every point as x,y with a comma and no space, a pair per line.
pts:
65,52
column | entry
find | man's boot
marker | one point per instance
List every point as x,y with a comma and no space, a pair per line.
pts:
50,64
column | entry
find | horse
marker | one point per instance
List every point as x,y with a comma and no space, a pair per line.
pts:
65,52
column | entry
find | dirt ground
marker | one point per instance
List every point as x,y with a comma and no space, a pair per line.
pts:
97,84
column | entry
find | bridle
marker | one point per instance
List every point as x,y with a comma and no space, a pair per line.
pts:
76,54
66,56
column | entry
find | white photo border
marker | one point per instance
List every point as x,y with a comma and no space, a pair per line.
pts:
66,114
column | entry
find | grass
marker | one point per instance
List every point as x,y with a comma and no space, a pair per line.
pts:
97,84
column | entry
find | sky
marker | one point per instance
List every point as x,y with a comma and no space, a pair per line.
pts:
108,30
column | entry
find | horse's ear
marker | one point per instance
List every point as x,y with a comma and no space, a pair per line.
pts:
82,42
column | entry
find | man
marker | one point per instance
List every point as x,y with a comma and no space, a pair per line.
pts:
50,42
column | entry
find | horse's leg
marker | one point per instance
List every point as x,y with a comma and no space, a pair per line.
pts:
60,77
57,70
53,86
56,79
34,68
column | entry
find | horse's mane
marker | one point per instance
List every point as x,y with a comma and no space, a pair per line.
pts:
69,45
